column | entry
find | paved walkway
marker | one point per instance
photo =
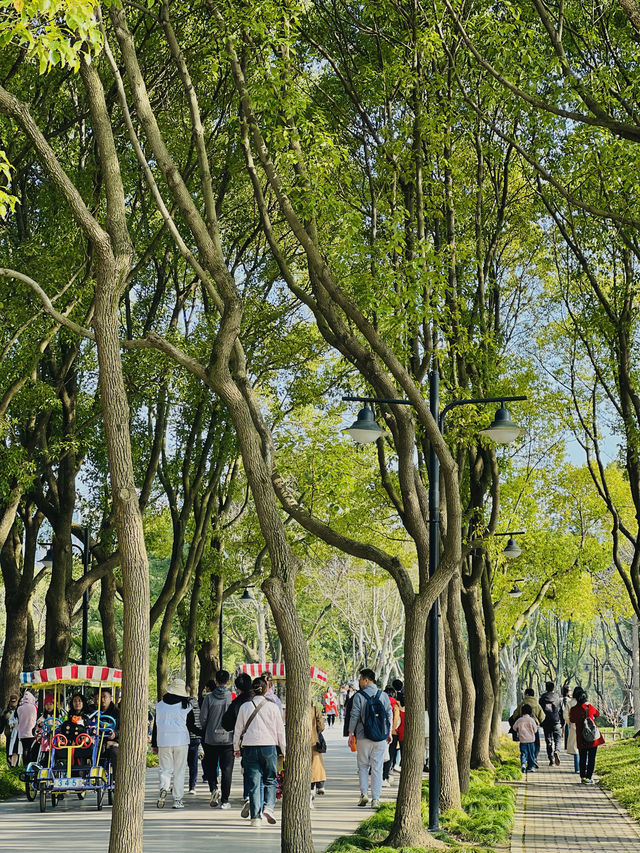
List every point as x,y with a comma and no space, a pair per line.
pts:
75,823
555,813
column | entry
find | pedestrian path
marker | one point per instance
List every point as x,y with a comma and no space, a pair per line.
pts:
555,813
76,823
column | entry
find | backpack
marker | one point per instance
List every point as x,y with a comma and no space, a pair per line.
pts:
590,732
551,713
376,721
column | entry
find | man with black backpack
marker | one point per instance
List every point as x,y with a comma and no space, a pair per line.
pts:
370,730
551,704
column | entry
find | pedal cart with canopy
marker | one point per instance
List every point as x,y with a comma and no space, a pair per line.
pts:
58,769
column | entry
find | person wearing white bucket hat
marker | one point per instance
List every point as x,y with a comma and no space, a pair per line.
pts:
170,740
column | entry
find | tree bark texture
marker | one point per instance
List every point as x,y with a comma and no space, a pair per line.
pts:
128,808
483,711
493,660
467,690
449,782
108,621
408,828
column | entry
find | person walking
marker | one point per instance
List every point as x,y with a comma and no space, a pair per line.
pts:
271,695
527,728
218,741
370,729
588,736
259,731
330,706
110,747
570,739
244,694
536,712
170,740
318,772
27,714
393,746
194,744
10,727
551,704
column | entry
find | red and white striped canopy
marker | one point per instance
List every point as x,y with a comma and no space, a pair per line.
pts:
72,674
277,670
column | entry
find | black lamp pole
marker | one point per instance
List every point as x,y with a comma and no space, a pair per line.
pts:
434,561
220,632
86,554
434,639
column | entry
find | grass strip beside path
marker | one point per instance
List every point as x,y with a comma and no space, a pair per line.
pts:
485,820
618,766
10,784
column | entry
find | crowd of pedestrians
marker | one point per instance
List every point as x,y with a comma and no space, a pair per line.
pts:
246,726
567,720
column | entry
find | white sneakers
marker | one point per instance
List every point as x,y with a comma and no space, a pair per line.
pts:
161,798
215,798
268,814
386,783
178,804
362,802
246,808
256,821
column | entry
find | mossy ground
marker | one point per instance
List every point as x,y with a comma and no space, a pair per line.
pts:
618,766
485,820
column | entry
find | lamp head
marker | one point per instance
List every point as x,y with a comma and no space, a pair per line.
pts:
512,549
365,429
47,560
503,430
246,595
515,591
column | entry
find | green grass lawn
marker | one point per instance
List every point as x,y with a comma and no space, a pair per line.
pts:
485,820
618,765
10,784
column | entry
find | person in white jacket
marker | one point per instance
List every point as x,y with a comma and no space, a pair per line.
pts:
259,731
170,740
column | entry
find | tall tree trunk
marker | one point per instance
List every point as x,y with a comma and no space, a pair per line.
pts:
635,670
452,679
191,630
493,659
449,781
465,737
16,602
128,806
483,712
108,619
408,828
59,610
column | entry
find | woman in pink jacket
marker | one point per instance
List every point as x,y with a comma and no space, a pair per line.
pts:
27,714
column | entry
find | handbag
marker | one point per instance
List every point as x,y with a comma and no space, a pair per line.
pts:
321,744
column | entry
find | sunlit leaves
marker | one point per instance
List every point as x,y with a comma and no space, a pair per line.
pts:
51,32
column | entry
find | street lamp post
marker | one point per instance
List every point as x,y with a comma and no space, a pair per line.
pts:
503,430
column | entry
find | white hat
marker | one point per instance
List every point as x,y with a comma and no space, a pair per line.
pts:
178,687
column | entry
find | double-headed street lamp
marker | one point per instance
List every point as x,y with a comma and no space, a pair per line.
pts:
502,430
85,553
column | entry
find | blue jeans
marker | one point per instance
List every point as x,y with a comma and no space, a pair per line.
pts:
260,766
527,756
